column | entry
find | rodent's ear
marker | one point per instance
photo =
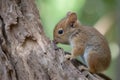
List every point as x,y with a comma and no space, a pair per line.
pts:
69,13
72,17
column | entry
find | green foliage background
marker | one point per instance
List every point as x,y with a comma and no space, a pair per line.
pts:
88,11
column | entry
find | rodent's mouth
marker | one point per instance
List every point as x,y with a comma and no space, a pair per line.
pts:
55,41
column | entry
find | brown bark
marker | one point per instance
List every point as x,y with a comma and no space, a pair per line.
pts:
25,52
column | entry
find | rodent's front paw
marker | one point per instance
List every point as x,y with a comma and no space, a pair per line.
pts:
68,57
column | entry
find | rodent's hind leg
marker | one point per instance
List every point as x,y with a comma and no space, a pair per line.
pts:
93,62
83,68
86,72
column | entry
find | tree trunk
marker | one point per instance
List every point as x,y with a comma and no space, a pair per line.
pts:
25,52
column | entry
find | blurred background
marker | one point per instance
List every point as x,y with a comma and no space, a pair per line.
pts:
104,15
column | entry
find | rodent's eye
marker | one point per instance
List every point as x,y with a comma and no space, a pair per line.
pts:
60,31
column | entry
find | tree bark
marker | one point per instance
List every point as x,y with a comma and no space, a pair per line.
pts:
26,53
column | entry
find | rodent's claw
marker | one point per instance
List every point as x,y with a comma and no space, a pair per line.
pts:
68,57
54,41
55,46
83,68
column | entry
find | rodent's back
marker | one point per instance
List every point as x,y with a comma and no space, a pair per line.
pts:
98,44
96,40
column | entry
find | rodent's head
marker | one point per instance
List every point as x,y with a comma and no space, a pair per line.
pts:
65,28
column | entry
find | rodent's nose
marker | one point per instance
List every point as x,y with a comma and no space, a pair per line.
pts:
55,41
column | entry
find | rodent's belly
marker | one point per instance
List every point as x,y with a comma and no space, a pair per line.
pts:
86,54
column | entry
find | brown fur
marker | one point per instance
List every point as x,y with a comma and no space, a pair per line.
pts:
85,41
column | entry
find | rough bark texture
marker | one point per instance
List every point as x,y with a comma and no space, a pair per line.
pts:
25,52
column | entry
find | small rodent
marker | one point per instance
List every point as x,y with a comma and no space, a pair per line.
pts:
85,41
